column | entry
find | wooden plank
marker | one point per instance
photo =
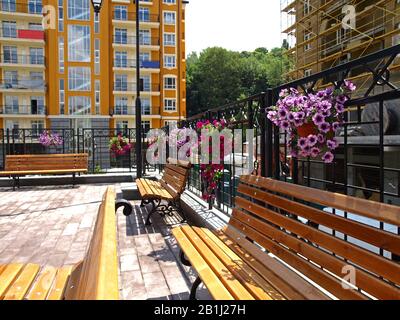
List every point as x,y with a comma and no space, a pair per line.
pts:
381,239
42,284
181,163
214,285
314,273
60,283
290,284
98,278
2,267
29,172
7,277
361,257
178,170
370,209
22,283
253,282
234,286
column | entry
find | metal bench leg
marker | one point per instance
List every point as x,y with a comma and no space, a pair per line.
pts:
184,261
14,183
153,209
73,180
195,286
18,183
180,211
128,208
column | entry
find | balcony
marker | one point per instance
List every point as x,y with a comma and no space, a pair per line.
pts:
19,86
21,35
122,63
23,110
14,9
121,17
131,111
131,88
15,60
131,41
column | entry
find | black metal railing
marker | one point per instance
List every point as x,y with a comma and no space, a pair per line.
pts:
22,59
143,41
29,84
131,63
131,87
131,110
19,7
23,110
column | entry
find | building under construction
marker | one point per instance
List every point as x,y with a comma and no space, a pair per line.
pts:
325,33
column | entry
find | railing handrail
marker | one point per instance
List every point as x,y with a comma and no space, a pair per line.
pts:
132,16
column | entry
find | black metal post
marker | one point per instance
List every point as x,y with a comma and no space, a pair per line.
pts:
268,139
138,104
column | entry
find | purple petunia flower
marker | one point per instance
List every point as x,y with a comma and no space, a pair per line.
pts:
326,113
350,85
315,152
285,125
312,140
332,144
318,119
321,138
336,126
340,108
302,143
324,127
328,157
291,117
282,113
342,99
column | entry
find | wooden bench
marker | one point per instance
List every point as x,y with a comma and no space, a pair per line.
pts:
96,278
44,164
169,189
278,246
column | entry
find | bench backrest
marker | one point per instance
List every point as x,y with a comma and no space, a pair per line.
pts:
47,162
175,177
96,278
268,211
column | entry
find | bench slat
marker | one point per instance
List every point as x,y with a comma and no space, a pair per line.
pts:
329,282
10,272
380,238
237,289
290,284
374,210
209,278
253,282
42,284
22,283
60,283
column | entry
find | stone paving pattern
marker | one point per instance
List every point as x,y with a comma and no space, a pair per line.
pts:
53,226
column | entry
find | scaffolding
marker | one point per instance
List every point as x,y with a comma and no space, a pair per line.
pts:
314,30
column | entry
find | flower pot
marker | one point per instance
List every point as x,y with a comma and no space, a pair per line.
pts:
306,129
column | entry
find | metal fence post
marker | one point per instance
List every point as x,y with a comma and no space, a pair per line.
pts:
267,141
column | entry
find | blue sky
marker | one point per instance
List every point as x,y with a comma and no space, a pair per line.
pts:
233,24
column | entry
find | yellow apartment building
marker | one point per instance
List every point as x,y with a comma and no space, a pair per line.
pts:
325,33
79,70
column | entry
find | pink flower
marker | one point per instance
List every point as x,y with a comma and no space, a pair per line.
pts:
315,152
312,140
328,157
324,127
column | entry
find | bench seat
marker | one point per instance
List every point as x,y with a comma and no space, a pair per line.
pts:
279,245
150,190
41,172
95,278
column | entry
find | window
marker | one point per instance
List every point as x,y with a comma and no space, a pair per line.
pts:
144,14
169,61
145,83
96,23
169,83
122,127
79,105
145,37
121,36
37,127
97,56
146,126
11,77
121,106
12,105
121,13
307,7
172,124
121,82
8,5
36,76
121,59
169,104
60,15
146,108
62,96
78,43
79,78
36,56
61,54
79,9
12,125
9,29
10,54
169,39
97,96
35,6
35,26
307,36
169,17
170,1
144,56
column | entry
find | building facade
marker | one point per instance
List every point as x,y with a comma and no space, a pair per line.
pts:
78,69
325,33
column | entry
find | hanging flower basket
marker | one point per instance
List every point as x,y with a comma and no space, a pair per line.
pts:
48,139
311,120
120,146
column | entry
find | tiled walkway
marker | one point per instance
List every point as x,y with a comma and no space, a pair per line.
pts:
53,226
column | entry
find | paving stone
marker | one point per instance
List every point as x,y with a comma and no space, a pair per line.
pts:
129,263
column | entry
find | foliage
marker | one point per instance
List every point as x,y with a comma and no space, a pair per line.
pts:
120,145
48,139
218,76
321,113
